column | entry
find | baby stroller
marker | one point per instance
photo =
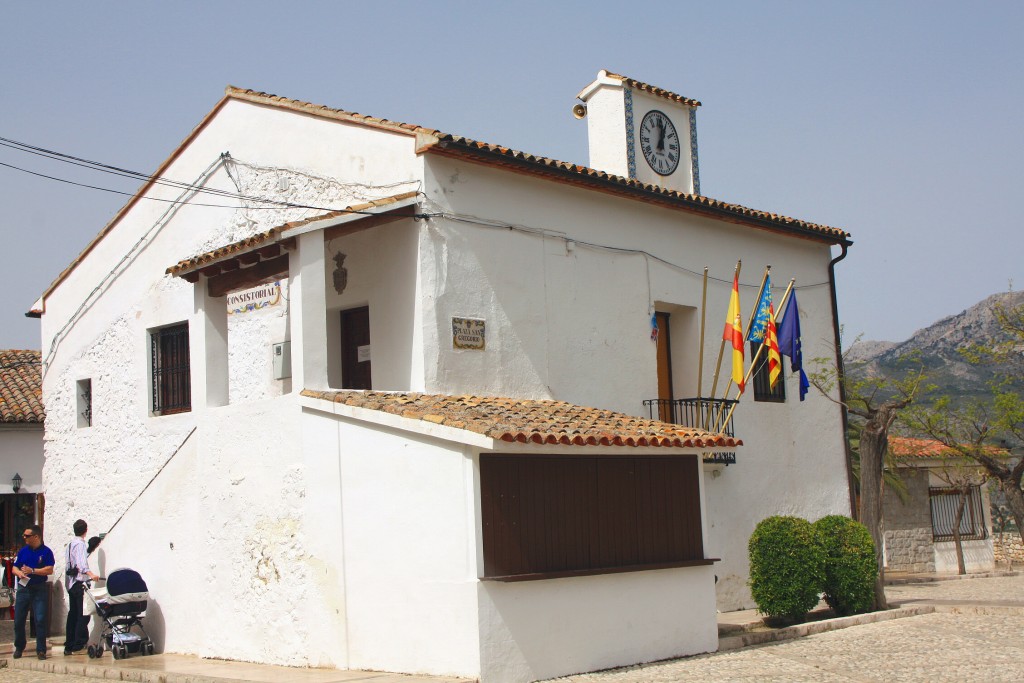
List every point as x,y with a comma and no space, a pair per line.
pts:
121,606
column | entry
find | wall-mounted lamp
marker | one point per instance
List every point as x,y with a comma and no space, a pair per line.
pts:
16,482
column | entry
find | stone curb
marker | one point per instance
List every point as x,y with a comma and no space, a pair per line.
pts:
800,630
903,580
60,667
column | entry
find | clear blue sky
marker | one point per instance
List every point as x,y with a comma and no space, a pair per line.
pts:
899,122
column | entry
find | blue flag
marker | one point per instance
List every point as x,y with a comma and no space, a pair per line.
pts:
789,342
759,325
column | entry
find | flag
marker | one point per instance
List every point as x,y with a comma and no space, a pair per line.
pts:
759,324
789,342
734,332
774,360
654,327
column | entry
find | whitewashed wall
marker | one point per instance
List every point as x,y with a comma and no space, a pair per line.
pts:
96,326
572,322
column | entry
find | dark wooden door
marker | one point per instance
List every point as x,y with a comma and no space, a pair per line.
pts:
355,348
664,369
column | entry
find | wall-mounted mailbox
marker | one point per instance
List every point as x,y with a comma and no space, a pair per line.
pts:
282,360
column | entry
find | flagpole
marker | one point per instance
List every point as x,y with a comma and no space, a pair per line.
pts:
700,356
753,363
753,312
721,349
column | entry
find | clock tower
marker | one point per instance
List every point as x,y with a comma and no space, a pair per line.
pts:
641,132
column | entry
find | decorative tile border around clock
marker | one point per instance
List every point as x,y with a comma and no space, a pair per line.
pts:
693,150
627,96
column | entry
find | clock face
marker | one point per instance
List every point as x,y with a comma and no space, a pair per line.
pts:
660,142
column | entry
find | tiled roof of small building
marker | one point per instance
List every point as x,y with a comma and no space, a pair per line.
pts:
271,235
530,421
21,386
905,447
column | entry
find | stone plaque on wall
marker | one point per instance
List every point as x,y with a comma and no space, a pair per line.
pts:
468,333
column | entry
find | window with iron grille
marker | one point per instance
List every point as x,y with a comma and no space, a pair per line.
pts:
762,390
944,503
172,379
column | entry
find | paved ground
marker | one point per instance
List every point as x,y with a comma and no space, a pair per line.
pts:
973,637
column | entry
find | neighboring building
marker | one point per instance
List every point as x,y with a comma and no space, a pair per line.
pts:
21,446
919,530
388,411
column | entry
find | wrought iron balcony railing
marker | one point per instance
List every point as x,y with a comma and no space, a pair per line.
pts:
700,413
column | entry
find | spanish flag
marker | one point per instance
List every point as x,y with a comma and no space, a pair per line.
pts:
734,332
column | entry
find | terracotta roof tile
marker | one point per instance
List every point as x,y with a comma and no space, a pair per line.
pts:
659,92
905,447
21,387
272,235
530,421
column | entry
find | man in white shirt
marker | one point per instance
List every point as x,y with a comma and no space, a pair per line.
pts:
76,579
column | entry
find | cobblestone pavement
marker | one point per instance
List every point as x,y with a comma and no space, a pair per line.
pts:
999,589
931,648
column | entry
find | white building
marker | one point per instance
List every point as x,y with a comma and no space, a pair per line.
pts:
21,446
340,421
919,526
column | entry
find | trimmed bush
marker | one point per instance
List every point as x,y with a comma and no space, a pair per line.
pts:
786,567
850,567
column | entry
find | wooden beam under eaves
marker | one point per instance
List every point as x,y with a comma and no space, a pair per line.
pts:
259,274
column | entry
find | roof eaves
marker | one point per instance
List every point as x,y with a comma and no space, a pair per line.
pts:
451,145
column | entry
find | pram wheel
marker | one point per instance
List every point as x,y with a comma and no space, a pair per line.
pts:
92,652
119,651
149,648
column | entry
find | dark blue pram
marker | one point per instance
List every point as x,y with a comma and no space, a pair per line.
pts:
121,607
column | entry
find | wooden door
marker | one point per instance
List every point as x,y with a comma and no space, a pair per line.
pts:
664,369
355,348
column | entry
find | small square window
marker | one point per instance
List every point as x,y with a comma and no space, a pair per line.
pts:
172,376
83,402
762,389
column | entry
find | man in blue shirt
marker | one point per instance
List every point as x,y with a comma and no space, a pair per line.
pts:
32,567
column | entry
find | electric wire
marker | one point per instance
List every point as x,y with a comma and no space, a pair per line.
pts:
117,171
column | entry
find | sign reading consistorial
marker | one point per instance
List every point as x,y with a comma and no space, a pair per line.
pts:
468,333
254,299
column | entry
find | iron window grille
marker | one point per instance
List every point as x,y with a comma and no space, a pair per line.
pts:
944,502
762,384
172,378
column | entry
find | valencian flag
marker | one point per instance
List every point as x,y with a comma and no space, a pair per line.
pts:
734,332
762,331
759,325
789,342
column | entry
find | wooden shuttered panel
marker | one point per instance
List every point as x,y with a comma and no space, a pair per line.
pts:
555,515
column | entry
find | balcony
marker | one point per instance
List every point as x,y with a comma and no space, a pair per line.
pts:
700,413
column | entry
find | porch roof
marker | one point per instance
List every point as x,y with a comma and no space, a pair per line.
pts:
530,421
254,244
21,387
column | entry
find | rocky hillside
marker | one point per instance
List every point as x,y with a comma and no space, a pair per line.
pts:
939,348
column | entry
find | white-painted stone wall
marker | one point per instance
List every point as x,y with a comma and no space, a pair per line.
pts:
572,322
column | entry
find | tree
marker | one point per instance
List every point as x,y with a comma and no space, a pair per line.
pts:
987,432
875,402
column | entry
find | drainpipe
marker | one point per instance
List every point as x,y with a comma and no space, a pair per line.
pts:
842,374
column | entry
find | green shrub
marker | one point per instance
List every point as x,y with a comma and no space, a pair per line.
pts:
786,567
850,566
